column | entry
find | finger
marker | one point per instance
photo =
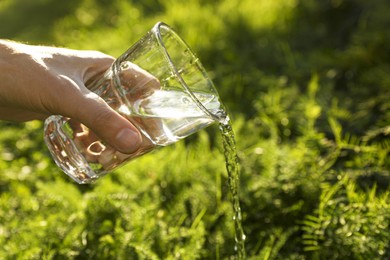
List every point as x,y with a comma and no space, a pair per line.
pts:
91,110
110,126
97,68
136,81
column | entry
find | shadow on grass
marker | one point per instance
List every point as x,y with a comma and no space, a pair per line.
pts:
32,20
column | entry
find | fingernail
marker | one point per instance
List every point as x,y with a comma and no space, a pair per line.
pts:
128,140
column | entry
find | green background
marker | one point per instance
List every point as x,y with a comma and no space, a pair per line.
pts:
307,85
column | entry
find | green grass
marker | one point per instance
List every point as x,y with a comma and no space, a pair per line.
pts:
307,86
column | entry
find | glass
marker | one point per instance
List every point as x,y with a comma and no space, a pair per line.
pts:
159,85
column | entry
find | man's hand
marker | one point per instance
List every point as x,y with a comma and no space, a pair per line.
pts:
38,81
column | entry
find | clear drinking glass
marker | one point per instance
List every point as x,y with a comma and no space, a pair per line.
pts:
176,100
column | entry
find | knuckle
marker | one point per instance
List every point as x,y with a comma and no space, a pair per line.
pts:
102,118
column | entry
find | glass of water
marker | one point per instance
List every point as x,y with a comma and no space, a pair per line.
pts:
159,85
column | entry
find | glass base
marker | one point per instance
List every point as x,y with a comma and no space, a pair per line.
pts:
65,153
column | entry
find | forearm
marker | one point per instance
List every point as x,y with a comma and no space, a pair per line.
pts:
12,95
7,70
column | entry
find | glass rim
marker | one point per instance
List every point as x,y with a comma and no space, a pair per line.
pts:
157,32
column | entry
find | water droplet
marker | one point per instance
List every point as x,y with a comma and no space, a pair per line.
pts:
185,100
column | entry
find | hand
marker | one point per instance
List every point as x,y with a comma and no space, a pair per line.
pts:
38,81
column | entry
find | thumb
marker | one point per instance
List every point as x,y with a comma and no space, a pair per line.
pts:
108,125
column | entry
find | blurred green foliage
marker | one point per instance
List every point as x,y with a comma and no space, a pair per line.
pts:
307,85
